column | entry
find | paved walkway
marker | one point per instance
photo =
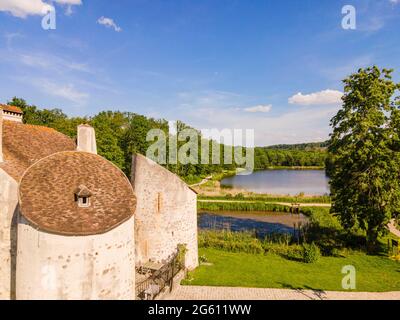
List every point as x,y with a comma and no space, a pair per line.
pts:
205,180
393,229
227,293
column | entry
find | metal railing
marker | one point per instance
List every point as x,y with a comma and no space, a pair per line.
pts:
151,287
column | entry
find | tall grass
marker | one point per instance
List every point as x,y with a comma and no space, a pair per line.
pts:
269,198
230,241
247,242
241,206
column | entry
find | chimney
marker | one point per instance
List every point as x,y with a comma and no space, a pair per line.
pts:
86,139
1,134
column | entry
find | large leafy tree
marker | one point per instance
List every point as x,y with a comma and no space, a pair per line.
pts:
53,118
109,128
364,153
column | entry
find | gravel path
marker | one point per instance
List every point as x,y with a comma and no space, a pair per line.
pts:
227,293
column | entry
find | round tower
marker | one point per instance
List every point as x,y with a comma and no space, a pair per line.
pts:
75,230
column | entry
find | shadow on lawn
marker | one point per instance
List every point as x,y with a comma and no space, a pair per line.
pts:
331,240
315,294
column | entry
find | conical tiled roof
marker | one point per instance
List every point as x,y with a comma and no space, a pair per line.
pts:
48,189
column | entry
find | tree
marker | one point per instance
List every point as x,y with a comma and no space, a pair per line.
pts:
364,153
109,128
29,111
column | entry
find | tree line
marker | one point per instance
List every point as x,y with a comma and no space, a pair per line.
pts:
121,134
266,157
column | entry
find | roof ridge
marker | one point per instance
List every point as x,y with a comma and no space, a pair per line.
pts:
10,108
35,126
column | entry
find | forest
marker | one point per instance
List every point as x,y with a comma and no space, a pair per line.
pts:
121,134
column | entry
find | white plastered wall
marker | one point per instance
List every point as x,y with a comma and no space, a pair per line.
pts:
58,267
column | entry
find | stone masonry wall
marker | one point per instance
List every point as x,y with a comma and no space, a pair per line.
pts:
8,213
166,213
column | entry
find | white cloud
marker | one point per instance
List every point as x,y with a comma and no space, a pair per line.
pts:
51,63
317,98
9,37
301,125
215,109
67,91
209,98
69,11
61,89
395,1
109,23
259,108
24,8
69,2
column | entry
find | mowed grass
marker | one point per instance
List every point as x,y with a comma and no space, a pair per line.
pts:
373,273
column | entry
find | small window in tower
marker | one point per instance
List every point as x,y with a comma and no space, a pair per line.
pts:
82,196
83,202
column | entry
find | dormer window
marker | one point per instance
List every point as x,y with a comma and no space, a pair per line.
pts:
84,202
82,196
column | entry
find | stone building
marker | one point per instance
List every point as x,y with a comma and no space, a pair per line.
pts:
166,214
72,225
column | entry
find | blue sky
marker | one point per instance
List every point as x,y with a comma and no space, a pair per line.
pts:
272,66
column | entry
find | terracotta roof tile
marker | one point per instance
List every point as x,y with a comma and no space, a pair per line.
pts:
11,108
83,191
25,144
48,187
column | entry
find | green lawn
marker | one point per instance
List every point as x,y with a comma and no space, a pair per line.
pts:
374,273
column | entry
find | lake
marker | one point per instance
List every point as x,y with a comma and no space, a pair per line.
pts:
283,182
263,223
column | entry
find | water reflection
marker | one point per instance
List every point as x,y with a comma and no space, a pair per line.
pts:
262,223
292,182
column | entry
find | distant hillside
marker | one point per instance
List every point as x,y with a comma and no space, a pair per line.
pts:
311,154
300,146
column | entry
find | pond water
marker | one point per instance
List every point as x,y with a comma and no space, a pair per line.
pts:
283,182
263,223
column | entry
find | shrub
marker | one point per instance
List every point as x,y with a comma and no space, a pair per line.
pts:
182,254
294,252
203,259
239,196
336,253
231,241
241,206
270,198
311,253
291,252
